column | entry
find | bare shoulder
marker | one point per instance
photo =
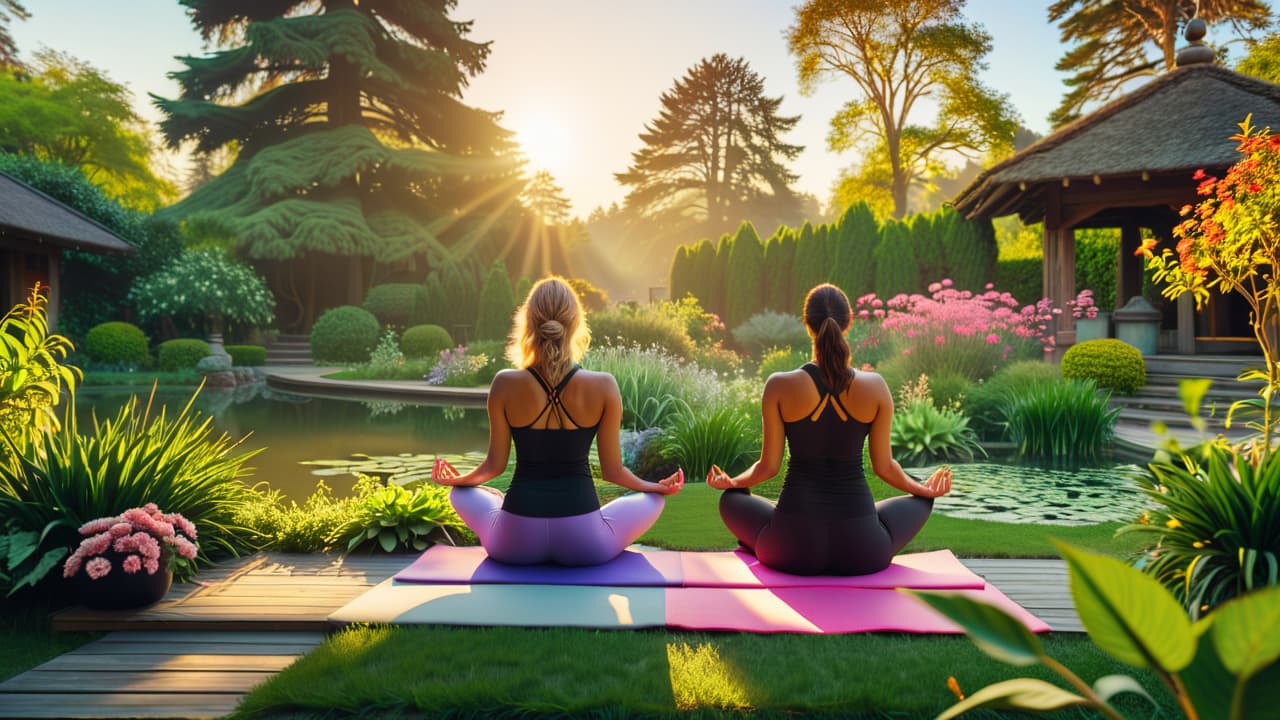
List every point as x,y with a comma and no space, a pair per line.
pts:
870,381
596,379
786,381
504,378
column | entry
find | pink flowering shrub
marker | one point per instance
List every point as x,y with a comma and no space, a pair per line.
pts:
956,331
139,538
1083,307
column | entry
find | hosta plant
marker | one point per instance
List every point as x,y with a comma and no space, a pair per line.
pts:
393,517
923,432
1224,665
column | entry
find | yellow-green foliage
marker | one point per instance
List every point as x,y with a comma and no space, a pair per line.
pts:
117,343
781,360
286,526
424,342
247,355
1109,363
32,375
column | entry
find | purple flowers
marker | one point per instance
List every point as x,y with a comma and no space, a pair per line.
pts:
142,535
456,367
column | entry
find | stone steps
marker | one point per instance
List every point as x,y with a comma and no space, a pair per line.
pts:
290,350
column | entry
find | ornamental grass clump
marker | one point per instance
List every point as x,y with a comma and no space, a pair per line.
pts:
653,383
956,331
721,434
1063,422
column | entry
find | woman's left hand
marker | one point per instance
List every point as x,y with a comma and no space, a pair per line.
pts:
719,479
443,473
672,484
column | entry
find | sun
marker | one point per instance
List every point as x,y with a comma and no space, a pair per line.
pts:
544,140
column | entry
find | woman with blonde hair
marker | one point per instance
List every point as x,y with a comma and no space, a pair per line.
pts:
826,521
553,410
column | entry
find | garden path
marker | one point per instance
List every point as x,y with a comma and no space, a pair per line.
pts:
199,650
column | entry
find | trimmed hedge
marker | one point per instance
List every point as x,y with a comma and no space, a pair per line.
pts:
398,304
181,354
247,355
118,343
1022,278
344,334
1110,363
424,341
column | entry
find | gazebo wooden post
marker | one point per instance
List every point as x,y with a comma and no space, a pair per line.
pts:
1128,266
55,290
1059,268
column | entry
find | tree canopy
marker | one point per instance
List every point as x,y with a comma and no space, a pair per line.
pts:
714,156
898,53
351,137
64,110
8,50
1114,42
545,199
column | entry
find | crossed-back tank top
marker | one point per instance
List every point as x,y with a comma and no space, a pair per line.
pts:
825,476
552,476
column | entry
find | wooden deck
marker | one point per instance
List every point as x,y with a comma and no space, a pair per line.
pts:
197,652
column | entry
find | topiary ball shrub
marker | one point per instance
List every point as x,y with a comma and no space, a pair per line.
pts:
398,304
424,341
344,334
1110,363
181,354
247,355
118,343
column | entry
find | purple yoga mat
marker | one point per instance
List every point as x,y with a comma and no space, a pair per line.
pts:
824,610
443,564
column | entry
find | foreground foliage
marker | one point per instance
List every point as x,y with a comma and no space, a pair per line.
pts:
32,376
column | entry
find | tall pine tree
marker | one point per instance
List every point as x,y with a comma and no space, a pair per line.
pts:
896,268
681,280
854,270
779,254
718,279
356,156
971,249
809,267
928,246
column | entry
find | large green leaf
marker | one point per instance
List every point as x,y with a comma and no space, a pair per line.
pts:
1109,686
1020,693
994,631
1129,615
1207,682
1246,632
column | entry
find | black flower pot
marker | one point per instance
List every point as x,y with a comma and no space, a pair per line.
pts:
118,590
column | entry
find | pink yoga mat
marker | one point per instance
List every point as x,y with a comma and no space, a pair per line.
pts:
821,610
443,564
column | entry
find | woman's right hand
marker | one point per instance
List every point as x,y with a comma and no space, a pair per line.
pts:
938,484
671,484
442,473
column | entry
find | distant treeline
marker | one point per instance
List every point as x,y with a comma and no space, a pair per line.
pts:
740,275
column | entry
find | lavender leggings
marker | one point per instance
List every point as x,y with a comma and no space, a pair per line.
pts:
587,539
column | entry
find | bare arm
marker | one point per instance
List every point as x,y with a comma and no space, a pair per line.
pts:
771,444
609,448
495,460
882,462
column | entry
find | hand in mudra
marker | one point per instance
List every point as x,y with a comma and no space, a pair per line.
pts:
442,473
671,484
938,484
718,478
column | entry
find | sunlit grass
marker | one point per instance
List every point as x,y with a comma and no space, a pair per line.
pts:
511,672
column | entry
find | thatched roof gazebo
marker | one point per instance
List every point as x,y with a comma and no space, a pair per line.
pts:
34,229
1130,165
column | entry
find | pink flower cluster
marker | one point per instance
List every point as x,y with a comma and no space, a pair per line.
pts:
948,314
141,535
1083,306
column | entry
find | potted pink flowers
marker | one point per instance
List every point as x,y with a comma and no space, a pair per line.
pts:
1091,324
126,561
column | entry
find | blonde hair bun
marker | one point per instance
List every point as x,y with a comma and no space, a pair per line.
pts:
551,330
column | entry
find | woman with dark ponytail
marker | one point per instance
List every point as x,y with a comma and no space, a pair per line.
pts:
826,521
551,513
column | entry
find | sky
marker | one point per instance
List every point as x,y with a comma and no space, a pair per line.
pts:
577,80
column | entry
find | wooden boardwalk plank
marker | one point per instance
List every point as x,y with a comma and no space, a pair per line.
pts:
134,662
118,705
110,681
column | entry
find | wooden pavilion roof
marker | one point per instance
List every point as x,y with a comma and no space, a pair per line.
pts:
32,215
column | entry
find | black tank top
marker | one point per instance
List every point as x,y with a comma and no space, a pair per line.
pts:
824,476
552,476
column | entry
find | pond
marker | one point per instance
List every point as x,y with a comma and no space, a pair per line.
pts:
295,431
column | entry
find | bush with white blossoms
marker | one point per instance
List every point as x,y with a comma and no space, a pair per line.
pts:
137,539
201,283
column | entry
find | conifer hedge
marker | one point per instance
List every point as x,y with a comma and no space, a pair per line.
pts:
744,287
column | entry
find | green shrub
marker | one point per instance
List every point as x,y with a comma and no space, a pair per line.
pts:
397,304
66,478
494,352
897,269
628,325
768,330
34,374
702,327
424,341
118,344
202,282
591,297
722,435
744,288
717,358
653,384
923,431
497,305
1068,421
285,526
781,360
247,355
1023,278
779,255
181,354
1110,363
1217,527
984,400
345,334
950,388
394,518
1096,251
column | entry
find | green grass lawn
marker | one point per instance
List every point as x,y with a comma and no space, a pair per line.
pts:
517,672
28,639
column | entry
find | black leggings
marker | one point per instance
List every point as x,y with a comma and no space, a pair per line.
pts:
805,544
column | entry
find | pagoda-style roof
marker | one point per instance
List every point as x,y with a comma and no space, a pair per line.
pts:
31,215
1166,130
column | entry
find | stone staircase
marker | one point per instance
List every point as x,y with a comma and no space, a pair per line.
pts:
1158,401
290,350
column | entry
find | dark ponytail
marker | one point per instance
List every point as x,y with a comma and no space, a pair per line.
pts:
827,315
